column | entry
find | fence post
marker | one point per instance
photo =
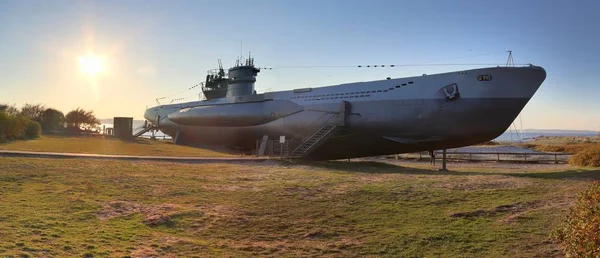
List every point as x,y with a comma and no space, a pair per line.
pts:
469,156
525,156
555,159
420,155
498,157
444,160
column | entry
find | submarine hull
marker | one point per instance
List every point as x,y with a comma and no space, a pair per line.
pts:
375,118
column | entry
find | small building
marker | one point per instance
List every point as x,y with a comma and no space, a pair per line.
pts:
123,127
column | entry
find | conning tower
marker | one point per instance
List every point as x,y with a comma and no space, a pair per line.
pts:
242,78
216,83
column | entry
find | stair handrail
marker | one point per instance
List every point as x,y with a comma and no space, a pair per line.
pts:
295,142
303,152
139,127
310,136
314,125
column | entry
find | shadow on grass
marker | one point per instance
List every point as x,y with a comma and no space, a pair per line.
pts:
374,167
567,174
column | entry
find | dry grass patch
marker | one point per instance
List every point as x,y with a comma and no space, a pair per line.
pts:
99,208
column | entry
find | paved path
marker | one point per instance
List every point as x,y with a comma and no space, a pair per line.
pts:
35,154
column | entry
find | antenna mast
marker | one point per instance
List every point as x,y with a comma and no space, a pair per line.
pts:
241,50
510,61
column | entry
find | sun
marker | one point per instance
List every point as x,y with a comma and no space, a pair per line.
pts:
91,64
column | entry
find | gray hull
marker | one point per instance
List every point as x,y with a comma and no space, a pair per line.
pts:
406,117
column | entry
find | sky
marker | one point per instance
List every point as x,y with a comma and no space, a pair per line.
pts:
152,49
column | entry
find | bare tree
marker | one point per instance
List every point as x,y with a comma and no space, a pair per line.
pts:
9,109
33,111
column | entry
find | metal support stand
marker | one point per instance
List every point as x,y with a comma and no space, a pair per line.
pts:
443,161
176,140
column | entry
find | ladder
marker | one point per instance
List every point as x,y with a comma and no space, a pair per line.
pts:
314,140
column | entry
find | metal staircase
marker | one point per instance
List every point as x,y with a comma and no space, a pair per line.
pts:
313,141
143,129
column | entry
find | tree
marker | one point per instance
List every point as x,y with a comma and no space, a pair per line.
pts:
52,120
79,119
10,110
33,112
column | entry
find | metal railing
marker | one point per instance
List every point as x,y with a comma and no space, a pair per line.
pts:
552,157
313,129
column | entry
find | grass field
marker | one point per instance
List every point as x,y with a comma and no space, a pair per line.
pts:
91,208
109,145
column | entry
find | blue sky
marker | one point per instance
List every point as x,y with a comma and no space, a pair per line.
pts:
155,48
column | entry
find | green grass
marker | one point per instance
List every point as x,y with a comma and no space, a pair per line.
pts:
109,145
123,208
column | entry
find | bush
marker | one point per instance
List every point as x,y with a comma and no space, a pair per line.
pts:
3,125
578,235
32,130
588,157
17,127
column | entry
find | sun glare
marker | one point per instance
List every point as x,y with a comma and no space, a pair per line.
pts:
91,64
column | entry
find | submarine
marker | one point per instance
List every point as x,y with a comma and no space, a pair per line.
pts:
360,119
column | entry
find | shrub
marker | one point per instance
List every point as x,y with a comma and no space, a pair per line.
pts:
578,235
588,157
15,127
3,125
32,130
